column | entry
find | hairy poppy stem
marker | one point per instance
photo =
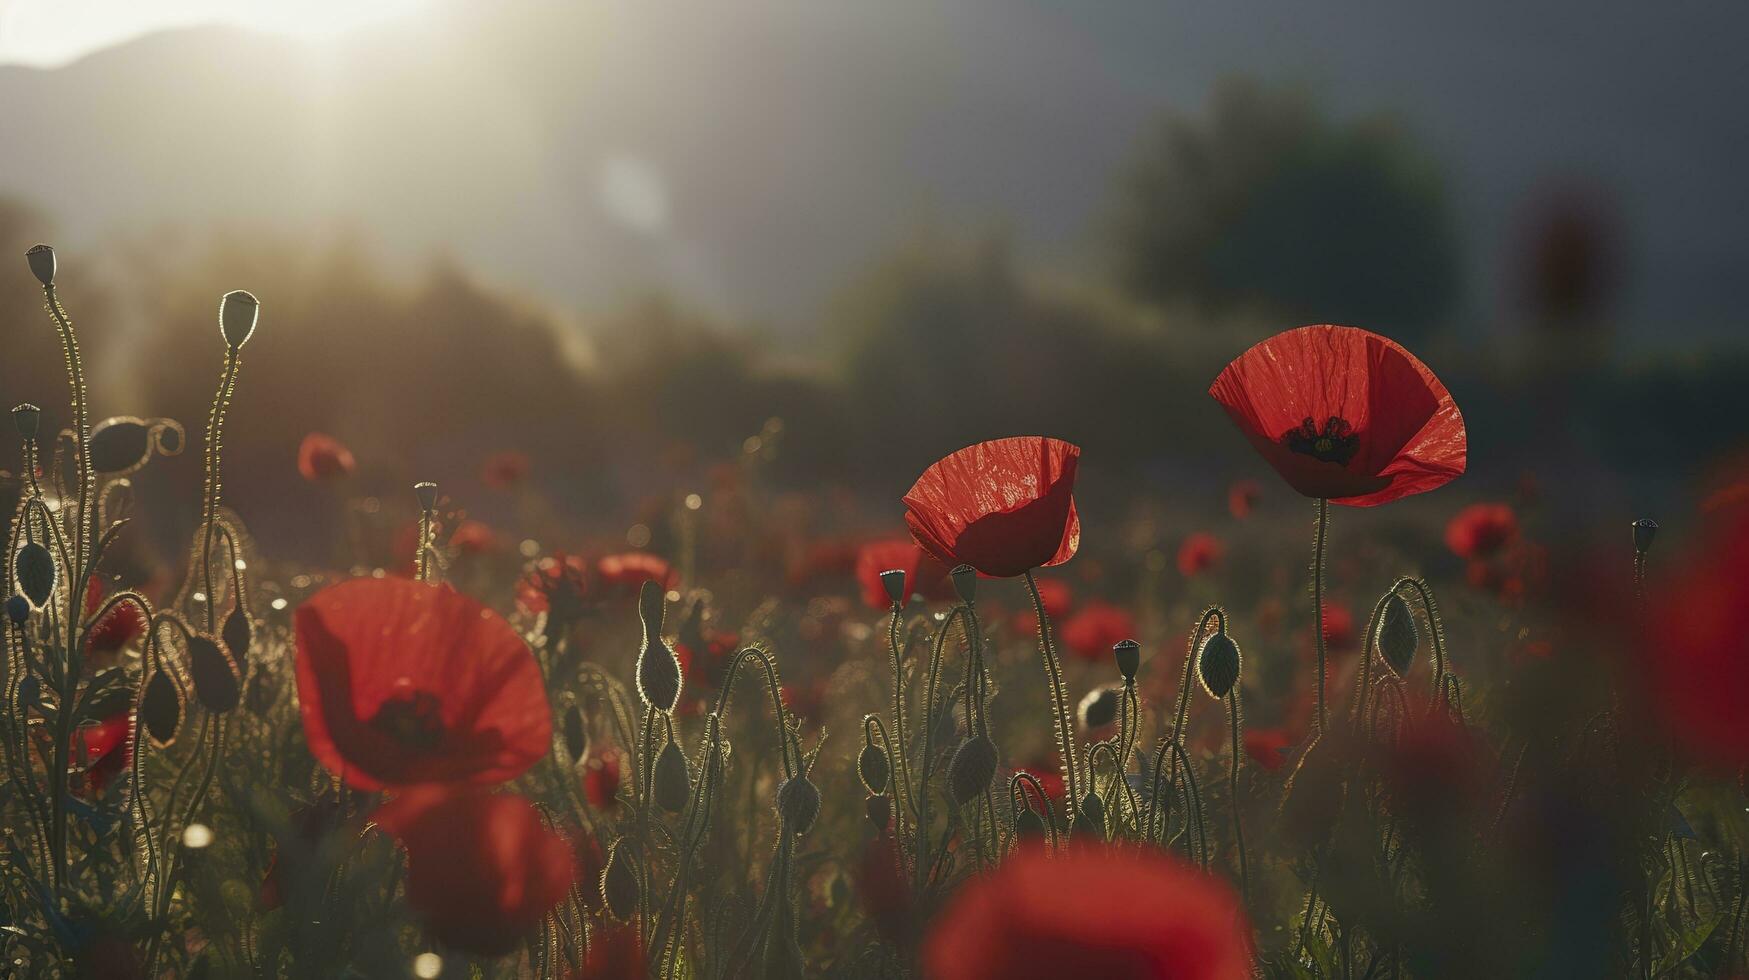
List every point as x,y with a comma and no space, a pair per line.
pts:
1059,702
1318,605
902,794
1233,797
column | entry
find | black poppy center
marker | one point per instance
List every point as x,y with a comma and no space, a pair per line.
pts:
1336,442
413,719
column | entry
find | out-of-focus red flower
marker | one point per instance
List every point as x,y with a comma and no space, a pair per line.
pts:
616,952
627,572
1268,746
1434,770
1479,531
1091,913
401,682
1694,651
482,868
323,457
106,748
1345,414
473,538
1056,596
119,627
706,668
880,884
601,779
504,470
806,699
924,576
558,583
1339,631
1242,498
1003,507
825,558
1199,553
1050,779
1095,628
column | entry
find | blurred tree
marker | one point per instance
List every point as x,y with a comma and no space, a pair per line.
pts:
1265,202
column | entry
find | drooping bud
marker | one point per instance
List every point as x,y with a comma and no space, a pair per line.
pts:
872,766
576,733
671,785
1128,654
798,803
619,882
972,768
35,569
216,684
1091,817
238,310
1028,824
41,259
238,635
878,808
1397,636
427,494
965,583
658,670
28,418
30,692
1645,529
18,609
1100,707
161,707
1218,665
894,581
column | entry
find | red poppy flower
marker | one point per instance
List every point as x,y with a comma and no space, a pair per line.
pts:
1695,648
924,576
1091,913
556,582
1480,530
616,952
401,682
106,748
1003,507
705,666
1268,746
323,457
1199,553
505,470
1242,498
1095,628
1339,631
881,885
601,779
1050,779
482,868
1345,414
629,571
473,538
119,627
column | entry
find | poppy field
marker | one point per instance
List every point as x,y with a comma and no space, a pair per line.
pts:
948,744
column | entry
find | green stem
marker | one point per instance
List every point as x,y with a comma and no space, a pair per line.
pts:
1233,797
1318,604
1059,703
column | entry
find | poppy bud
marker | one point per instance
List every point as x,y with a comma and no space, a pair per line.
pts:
216,685
1397,636
18,610
1645,529
878,808
161,708
671,784
798,803
965,583
238,634
1218,665
576,734
427,494
1099,708
237,312
894,581
972,768
42,263
619,882
28,418
658,670
872,766
1128,654
1028,824
30,691
1091,817
35,569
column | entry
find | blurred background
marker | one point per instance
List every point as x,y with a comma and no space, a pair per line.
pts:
641,242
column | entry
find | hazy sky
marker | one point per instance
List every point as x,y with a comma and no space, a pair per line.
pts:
52,32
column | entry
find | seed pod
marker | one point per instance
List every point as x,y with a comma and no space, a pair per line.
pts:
576,733
1218,665
619,882
41,259
1397,636
238,634
1091,817
18,609
658,670
965,583
30,692
1128,654
216,684
238,310
671,784
35,569
872,766
894,580
878,808
426,492
1645,529
798,803
28,419
972,768
1028,824
1099,708
161,708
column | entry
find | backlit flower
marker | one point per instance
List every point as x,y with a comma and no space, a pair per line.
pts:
322,457
1003,507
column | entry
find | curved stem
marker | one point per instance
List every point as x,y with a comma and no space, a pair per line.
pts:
215,427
